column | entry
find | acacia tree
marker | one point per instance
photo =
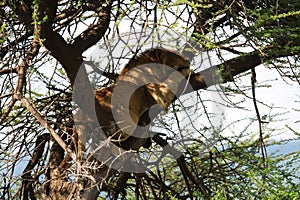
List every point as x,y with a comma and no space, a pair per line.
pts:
43,45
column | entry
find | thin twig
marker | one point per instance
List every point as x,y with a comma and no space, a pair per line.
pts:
261,138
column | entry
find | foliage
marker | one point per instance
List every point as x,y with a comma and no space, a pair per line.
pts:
214,153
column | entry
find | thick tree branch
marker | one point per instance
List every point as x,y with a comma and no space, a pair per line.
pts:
54,42
24,10
70,55
121,184
27,189
95,31
182,164
8,71
226,71
69,58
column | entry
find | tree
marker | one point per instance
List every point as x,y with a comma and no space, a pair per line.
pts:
43,46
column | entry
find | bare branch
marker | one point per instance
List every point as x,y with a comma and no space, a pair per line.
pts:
8,71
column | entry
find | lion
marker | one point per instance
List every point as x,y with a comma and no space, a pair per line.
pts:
155,94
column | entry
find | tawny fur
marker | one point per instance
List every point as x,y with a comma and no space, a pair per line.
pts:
144,97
